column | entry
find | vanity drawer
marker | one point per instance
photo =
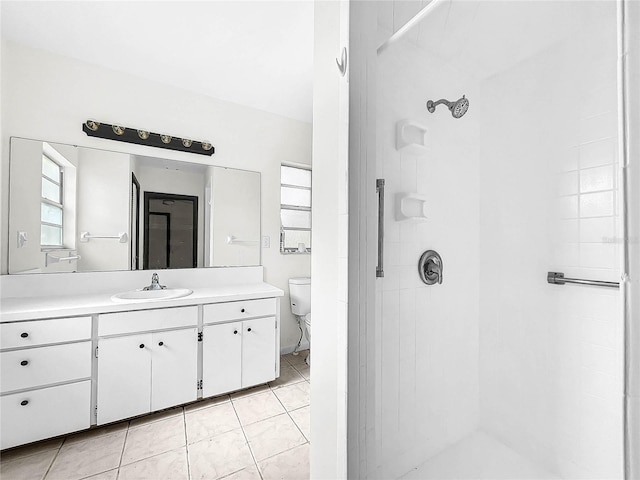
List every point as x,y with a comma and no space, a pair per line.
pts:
34,367
42,332
147,320
219,312
44,413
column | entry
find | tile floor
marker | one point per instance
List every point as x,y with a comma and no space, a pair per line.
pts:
259,433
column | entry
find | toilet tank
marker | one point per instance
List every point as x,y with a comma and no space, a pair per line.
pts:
300,293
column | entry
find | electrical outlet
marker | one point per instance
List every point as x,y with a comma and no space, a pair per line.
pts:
266,242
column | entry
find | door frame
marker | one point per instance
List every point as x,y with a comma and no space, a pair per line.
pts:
148,196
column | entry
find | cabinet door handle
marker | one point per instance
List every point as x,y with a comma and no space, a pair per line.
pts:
160,343
249,329
24,403
24,363
24,334
235,332
242,310
142,345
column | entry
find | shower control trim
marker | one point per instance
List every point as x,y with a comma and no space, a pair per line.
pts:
430,267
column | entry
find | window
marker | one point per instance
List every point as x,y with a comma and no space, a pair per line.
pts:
295,209
51,203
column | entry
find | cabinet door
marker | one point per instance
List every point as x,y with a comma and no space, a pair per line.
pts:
124,377
258,351
174,368
221,358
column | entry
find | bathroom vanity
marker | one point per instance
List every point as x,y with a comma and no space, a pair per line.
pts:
72,362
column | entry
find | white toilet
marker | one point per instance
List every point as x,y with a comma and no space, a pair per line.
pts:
300,294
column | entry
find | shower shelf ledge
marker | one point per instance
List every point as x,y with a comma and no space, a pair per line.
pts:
411,207
411,137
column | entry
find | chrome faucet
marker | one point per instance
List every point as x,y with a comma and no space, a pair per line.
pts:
155,283
430,267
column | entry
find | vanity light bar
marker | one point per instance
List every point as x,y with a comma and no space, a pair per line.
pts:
143,137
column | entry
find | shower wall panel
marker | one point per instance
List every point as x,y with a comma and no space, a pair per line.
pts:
551,356
428,367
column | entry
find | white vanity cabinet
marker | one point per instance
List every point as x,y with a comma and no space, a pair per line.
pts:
147,361
240,343
45,379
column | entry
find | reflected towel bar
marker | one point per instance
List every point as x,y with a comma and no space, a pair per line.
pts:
122,237
558,278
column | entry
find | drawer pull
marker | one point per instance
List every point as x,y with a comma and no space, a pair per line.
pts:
249,329
24,334
160,343
242,310
24,363
142,345
24,403
235,332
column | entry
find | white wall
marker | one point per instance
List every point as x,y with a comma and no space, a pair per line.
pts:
329,240
103,201
54,106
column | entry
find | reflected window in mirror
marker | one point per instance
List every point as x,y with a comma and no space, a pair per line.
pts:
51,202
295,209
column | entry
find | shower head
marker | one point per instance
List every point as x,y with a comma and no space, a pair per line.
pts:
457,108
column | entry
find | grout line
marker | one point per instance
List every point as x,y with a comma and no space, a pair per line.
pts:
55,457
124,444
186,442
255,462
290,417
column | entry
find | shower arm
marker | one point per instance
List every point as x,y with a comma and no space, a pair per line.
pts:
431,105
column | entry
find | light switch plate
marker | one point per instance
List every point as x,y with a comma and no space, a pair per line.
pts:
266,242
22,239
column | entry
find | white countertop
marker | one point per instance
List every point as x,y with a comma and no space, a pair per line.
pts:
32,308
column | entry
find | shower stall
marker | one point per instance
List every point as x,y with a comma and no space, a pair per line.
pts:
492,340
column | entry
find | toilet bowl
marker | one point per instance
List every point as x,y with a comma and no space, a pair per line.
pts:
300,295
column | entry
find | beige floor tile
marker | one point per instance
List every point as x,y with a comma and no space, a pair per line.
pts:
168,466
272,436
296,359
110,475
206,403
219,456
302,417
209,422
154,438
96,432
156,417
294,396
249,473
288,376
31,449
29,467
257,407
290,465
89,457
249,391
304,370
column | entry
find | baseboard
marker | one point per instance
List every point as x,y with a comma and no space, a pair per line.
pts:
290,348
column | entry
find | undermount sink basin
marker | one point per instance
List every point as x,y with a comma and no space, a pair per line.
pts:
149,295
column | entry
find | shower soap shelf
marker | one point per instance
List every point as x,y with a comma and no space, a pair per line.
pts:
411,137
411,207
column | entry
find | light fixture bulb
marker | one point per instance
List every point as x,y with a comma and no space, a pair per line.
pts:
165,138
143,134
117,129
92,125
206,146
186,142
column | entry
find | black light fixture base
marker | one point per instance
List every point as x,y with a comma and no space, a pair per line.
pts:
130,135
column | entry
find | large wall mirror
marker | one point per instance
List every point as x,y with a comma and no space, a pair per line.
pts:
78,209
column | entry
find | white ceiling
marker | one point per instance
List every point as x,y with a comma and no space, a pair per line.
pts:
254,53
